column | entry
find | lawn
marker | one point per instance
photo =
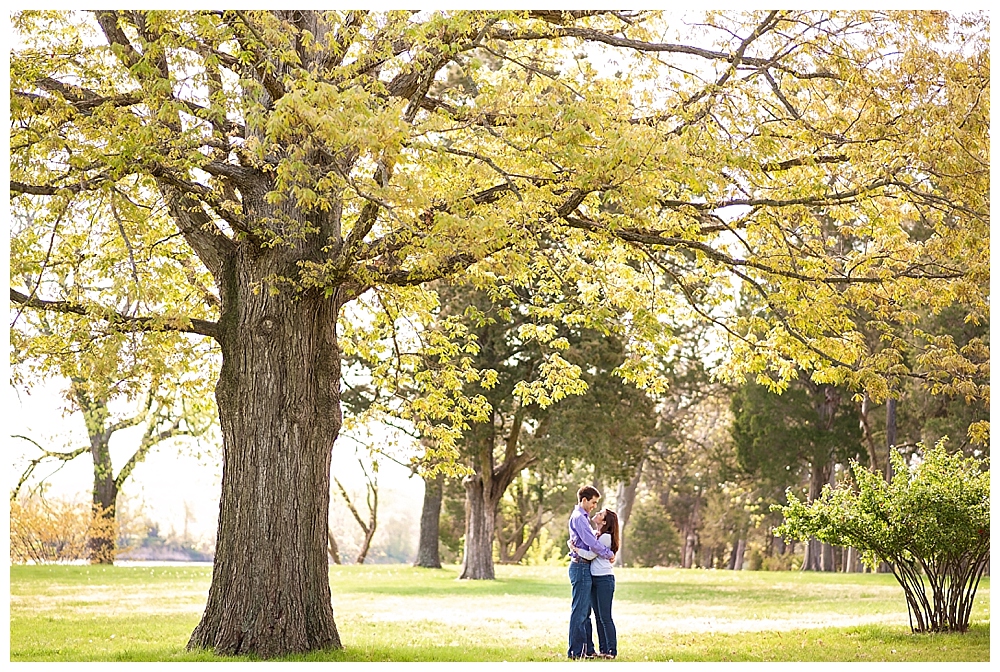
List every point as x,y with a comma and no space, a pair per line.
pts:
400,613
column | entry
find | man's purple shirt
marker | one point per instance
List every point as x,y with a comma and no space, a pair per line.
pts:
582,536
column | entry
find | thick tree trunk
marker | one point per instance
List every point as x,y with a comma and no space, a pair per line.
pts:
430,520
479,529
483,491
279,405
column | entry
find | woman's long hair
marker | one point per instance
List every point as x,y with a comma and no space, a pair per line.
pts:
611,527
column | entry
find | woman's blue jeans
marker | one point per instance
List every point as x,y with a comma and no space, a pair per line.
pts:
602,594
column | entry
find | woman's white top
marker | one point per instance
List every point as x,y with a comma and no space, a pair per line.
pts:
598,565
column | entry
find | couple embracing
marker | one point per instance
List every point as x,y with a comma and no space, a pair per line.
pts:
592,577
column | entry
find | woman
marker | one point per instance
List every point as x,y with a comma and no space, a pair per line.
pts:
602,590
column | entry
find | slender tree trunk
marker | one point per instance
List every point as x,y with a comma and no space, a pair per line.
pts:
852,560
828,560
624,500
430,521
866,433
279,404
890,441
332,549
731,563
814,548
690,537
479,530
520,543
366,545
890,435
371,497
741,547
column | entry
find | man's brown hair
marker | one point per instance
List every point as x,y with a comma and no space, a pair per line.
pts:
587,492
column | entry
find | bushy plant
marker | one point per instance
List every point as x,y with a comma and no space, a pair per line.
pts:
931,524
781,563
53,530
754,559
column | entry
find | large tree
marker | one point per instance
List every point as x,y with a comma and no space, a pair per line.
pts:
304,164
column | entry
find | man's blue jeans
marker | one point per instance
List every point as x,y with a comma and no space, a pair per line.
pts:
602,594
581,641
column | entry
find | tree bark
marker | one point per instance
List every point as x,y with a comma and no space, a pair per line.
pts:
279,404
479,529
890,441
852,560
814,548
690,537
624,500
483,491
890,435
866,433
430,522
828,559
101,537
741,547
101,541
332,549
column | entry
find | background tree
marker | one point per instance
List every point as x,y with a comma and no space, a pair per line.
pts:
604,419
298,158
371,501
156,383
526,509
654,539
808,426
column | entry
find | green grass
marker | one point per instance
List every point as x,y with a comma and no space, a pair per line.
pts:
399,613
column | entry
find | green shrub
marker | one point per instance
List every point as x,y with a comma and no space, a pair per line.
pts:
931,524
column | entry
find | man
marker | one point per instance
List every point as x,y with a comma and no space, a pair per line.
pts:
581,536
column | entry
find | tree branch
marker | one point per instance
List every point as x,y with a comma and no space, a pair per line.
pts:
118,322
46,454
